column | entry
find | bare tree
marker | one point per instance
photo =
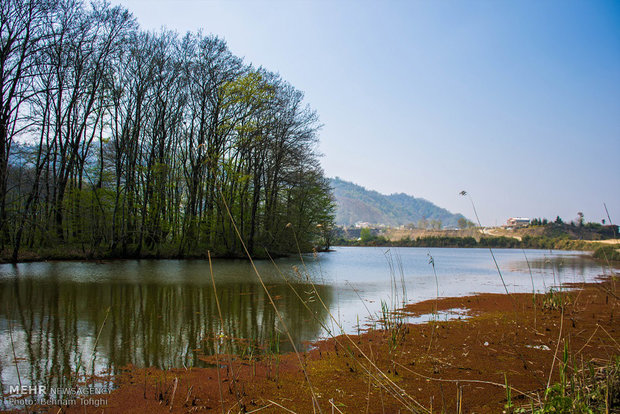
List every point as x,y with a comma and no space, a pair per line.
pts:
22,31
147,141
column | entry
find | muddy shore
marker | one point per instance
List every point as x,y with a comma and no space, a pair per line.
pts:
430,366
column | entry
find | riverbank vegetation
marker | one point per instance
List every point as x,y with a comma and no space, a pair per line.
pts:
527,242
551,235
116,142
607,253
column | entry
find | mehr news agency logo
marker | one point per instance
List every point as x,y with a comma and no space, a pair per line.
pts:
63,396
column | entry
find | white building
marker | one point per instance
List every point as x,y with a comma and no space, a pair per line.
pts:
517,221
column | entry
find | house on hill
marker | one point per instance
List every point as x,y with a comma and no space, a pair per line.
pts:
517,222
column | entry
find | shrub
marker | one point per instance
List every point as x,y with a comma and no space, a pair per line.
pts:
611,253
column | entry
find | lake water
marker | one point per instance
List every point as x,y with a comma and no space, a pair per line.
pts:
63,317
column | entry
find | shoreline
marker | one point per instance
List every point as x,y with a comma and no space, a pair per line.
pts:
494,242
430,363
75,257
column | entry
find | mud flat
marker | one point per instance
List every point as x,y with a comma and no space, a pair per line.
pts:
457,364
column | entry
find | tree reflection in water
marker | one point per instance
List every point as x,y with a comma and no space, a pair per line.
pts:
56,322
163,313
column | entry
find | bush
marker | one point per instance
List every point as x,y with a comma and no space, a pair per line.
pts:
611,253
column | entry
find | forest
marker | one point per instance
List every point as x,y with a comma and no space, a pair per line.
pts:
118,142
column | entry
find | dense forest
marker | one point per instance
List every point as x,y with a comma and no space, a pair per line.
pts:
116,142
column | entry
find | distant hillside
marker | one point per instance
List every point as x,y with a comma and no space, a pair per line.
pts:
356,204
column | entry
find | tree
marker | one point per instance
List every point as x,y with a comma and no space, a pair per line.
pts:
22,32
422,223
466,224
462,223
148,142
366,235
580,219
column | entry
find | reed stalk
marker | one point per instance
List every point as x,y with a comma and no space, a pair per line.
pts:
397,392
217,361
315,403
464,193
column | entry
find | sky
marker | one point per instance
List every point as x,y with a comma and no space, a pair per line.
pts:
516,102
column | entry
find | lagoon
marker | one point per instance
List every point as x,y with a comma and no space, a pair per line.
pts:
96,317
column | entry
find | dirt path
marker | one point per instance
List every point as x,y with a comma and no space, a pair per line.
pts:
610,241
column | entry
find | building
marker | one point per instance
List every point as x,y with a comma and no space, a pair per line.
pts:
517,221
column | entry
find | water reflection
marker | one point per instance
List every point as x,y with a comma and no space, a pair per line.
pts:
60,327
565,268
94,317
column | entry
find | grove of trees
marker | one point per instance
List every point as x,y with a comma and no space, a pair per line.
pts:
118,142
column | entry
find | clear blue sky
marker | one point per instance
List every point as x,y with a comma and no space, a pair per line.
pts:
517,102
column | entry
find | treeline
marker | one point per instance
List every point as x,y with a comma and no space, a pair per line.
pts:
527,242
578,229
117,142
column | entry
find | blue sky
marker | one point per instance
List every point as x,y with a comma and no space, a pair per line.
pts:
517,102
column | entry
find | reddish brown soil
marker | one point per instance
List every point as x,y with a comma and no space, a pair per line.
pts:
426,364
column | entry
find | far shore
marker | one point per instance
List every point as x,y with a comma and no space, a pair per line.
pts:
78,255
541,242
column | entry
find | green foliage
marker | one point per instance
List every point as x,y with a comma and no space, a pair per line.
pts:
587,231
539,222
509,404
585,390
201,151
558,402
529,242
251,89
554,299
366,235
611,253
576,393
500,241
463,223
436,241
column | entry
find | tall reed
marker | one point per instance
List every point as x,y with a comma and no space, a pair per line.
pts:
464,193
315,403
397,392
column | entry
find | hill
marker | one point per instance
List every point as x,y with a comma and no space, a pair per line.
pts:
355,204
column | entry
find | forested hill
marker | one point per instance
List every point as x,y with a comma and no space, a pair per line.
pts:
355,204
118,142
